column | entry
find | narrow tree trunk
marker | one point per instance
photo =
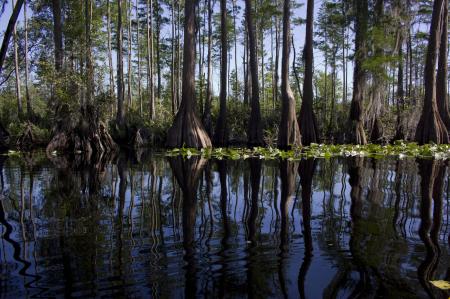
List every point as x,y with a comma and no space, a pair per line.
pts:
221,134
152,63
254,135
308,127
120,89
9,32
138,53
442,74
187,130
110,63
289,133
399,134
207,111
431,128
57,34
172,74
277,57
89,63
357,134
130,55
27,69
237,91
17,71
158,49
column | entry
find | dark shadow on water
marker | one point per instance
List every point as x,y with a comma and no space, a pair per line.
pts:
187,173
306,171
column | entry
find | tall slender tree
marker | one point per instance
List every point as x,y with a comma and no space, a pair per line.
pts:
120,87
221,134
356,133
9,32
289,133
431,128
27,67
57,34
254,133
307,122
187,129
208,100
16,69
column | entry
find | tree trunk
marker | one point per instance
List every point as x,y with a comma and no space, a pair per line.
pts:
9,32
120,90
89,63
172,74
254,135
110,63
431,128
399,134
57,34
375,108
207,111
130,55
17,71
221,134
442,77
138,53
308,127
27,68
187,130
357,134
235,51
277,57
151,62
289,133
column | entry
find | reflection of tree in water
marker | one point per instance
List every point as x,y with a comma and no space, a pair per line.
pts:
187,172
432,173
306,172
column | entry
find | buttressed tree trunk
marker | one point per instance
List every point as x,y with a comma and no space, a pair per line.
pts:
187,130
289,134
88,136
308,127
441,83
221,133
357,134
254,133
431,128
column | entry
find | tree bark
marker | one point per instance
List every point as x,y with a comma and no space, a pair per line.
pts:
442,73
289,132
187,130
9,32
431,128
57,34
308,127
17,71
27,68
110,63
221,134
207,110
138,53
151,88
254,134
130,55
89,62
120,89
356,130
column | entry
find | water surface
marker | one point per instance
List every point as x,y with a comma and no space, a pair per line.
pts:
149,226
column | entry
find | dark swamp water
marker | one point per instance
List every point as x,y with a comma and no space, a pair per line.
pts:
168,227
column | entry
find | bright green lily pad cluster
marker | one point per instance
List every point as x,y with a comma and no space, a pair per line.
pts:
399,149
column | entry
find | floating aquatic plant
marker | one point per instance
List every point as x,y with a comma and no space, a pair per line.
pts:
398,149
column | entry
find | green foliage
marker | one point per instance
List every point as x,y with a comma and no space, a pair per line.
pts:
399,149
